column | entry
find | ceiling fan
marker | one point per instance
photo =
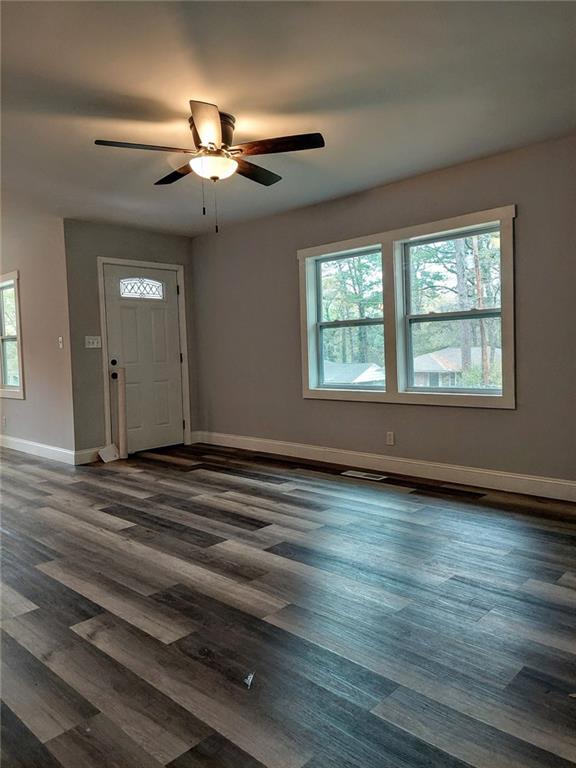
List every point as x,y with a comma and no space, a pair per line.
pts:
214,155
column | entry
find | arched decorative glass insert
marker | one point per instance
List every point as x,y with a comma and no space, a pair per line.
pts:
141,288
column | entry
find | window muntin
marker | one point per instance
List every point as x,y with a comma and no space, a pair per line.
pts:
350,326
10,357
141,288
452,289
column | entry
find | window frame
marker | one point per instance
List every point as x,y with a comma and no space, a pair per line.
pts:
392,245
7,391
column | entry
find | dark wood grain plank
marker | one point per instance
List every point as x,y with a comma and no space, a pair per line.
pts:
151,719
19,748
98,743
39,698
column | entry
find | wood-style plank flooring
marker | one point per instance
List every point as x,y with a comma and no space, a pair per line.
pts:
208,608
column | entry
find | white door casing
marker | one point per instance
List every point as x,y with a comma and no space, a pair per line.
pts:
143,336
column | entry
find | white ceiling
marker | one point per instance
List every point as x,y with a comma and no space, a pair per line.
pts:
396,89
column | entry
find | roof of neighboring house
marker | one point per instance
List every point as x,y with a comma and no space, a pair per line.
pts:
352,373
450,359
444,360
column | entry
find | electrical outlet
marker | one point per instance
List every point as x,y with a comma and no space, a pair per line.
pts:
3,422
390,438
60,342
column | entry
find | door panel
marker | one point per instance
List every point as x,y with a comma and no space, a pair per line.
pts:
162,402
159,336
143,335
129,335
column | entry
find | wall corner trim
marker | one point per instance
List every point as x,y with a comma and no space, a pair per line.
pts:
532,485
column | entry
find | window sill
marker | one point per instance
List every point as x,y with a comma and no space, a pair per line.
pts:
458,400
12,394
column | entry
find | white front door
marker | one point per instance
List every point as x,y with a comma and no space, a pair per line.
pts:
144,338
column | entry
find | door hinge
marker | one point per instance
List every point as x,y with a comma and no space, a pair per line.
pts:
183,423
178,290
181,357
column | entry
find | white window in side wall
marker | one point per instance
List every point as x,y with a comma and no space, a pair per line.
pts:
11,378
420,315
141,288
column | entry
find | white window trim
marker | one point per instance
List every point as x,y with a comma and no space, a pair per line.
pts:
391,244
15,393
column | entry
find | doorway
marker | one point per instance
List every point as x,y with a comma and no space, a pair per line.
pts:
144,345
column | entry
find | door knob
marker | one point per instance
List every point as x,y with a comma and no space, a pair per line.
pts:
113,361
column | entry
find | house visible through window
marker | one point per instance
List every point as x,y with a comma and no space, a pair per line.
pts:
10,354
420,315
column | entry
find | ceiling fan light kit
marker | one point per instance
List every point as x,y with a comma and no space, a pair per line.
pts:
213,164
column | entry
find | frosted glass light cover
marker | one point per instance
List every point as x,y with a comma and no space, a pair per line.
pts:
213,166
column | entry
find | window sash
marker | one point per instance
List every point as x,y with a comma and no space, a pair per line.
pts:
3,383
318,280
10,390
406,256
320,358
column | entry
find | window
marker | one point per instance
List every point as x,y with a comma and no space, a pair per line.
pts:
453,318
350,324
420,315
141,288
10,351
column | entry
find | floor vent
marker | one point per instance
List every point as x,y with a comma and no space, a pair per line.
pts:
363,475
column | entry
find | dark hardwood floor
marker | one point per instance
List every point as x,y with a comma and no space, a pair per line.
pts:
204,608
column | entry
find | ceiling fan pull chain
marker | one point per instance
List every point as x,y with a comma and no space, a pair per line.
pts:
215,210
203,200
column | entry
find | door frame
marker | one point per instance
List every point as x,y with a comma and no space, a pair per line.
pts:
101,261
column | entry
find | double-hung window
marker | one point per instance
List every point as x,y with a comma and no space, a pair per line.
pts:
350,327
419,315
452,289
11,384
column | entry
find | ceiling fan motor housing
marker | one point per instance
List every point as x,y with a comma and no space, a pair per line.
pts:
227,123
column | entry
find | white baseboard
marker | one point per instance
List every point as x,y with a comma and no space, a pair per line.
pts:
532,485
53,452
38,449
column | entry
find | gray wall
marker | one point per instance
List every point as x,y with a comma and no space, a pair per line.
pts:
248,336
33,244
85,241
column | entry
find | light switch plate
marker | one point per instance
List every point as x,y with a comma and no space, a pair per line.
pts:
92,342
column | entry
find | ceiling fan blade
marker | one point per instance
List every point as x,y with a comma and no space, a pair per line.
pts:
207,123
281,144
256,173
176,175
128,145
